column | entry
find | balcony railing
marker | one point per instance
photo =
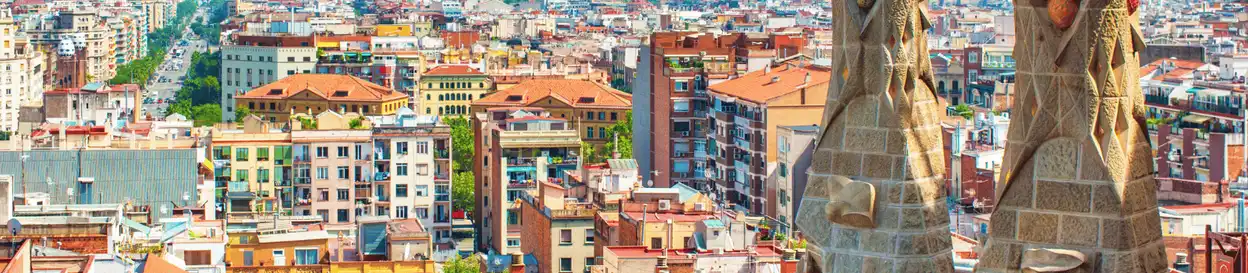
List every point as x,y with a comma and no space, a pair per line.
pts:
303,180
442,198
279,269
239,186
442,154
441,176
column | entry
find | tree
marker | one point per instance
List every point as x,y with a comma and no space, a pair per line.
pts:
964,111
463,187
590,154
458,264
206,114
461,142
357,123
621,134
241,113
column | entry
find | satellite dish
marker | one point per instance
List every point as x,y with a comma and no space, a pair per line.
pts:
14,226
650,183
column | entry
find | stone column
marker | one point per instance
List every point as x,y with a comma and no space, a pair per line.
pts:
875,199
1077,192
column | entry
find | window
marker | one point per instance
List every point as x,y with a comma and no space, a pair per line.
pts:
589,236
589,115
401,147
972,75
262,154
342,152
565,264
344,194
513,243
241,175
322,172
400,190
324,195
422,212
784,169
588,262
198,257
656,243
262,175
602,132
306,256
682,86
422,190
400,212
322,152
589,132
240,154
324,213
400,169
602,115
973,57
565,236
344,215
422,147
613,116
680,106
343,172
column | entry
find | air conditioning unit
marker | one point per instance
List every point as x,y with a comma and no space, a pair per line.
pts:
699,207
665,204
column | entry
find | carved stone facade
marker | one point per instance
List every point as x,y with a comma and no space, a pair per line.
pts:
875,199
1077,191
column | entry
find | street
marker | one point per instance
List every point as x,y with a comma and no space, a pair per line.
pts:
172,69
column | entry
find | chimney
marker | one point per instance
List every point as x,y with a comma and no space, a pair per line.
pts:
517,262
806,80
1181,264
661,263
767,69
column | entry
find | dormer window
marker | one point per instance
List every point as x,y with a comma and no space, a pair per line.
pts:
515,98
275,92
586,100
340,93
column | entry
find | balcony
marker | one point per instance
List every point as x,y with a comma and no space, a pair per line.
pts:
382,156
442,197
441,176
303,181
239,186
442,154
279,269
998,65
381,176
303,159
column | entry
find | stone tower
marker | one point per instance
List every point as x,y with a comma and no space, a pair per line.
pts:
875,200
1077,192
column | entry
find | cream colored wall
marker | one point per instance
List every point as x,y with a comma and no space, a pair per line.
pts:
789,110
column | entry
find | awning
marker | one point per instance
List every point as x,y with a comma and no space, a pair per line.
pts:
1196,119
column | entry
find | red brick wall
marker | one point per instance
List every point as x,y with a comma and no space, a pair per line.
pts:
628,233
535,236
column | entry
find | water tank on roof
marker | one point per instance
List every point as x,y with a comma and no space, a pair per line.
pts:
66,48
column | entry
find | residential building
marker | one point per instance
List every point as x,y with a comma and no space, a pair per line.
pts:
558,234
660,218
199,245
1196,122
19,256
412,159
23,72
143,176
157,13
795,145
517,148
316,93
253,170
763,258
593,107
93,103
676,68
87,30
277,244
449,90
1191,220
336,157
251,61
747,111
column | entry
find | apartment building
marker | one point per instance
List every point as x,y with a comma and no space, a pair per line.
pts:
157,12
559,234
252,169
1196,122
335,157
254,60
747,111
315,93
412,159
591,106
23,74
449,90
674,73
86,29
787,184
515,150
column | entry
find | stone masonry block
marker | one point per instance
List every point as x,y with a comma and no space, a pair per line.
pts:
1105,200
1056,159
1003,223
1080,231
877,166
1062,196
847,164
1037,227
865,140
821,162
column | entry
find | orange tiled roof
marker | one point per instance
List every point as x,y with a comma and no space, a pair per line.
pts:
570,92
453,70
758,87
157,264
328,86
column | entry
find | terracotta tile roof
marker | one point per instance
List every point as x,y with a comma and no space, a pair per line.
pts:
576,93
328,86
1181,67
155,263
758,86
453,70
